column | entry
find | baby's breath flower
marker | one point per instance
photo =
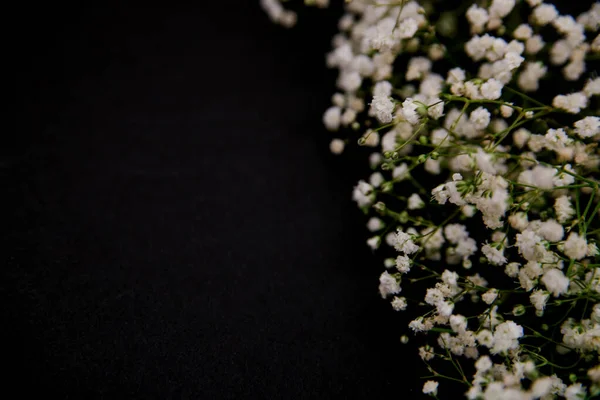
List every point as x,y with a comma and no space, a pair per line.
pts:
575,246
399,303
587,127
510,136
430,387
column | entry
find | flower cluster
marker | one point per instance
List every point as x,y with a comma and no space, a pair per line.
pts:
482,125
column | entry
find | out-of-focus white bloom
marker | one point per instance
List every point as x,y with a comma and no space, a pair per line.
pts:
575,246
407,28
544,14
480,118
375,224
336,146
575,391
523,32
572,103
587,127
555,281
415,202
477,17
592,87
363,194
332,118
374,242
551,230
491,89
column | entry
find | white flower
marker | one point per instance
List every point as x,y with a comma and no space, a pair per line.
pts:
349,81
506,337
493,254
409,111
501,8
376,179
478,17
388,285
523,32
541,387
557,138
456,75
426,353
587,127
382,107
415,202
485,337
450,278
551,230
575,247
572,103
483,364
332,118
430,387
544,13
404,243
374,242
575,391
491,89
374,224
382,88
520,137
592,87
594,373
564,209
455,233
538,299
435,109
407,28
506,111
490,296
403,264
401,172
399,303
362,194
519,221
417,68
530,245
555,281
512,269
336,146
534,44
480,118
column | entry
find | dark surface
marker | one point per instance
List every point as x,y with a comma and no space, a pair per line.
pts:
175,226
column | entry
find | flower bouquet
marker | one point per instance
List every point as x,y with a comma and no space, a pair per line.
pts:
481,125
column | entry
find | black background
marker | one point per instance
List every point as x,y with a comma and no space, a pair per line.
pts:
175,226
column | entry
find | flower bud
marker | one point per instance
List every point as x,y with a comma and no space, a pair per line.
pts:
422,158
379,206
518,310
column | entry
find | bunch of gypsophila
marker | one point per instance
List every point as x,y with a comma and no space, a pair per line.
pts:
481,118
